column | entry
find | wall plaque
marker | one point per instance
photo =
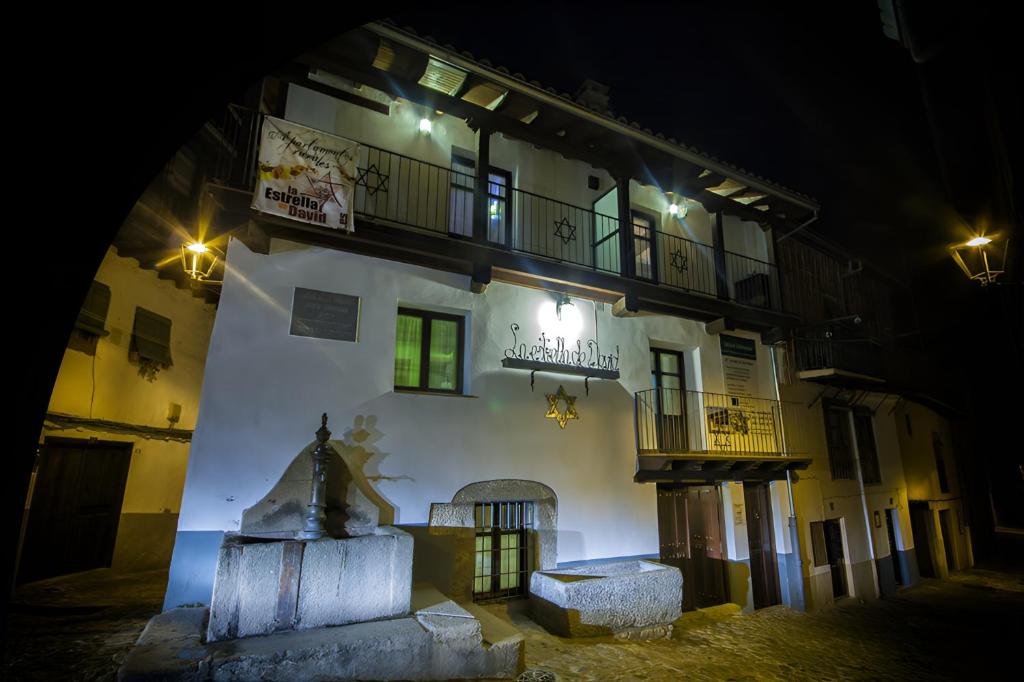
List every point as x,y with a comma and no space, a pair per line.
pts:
325,315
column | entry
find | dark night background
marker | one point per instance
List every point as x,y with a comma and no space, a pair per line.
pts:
812,96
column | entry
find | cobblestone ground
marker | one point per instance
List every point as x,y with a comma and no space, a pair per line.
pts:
968,627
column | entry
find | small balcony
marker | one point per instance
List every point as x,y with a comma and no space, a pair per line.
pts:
692,435
838,359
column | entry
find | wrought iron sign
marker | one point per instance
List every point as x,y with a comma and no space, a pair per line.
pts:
553,354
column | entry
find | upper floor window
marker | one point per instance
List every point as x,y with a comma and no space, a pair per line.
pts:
644,245
940,462
840,449
92,318
869,468
460,209
429,350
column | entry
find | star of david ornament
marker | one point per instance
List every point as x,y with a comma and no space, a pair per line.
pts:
561,416
565,231
381,180
678,261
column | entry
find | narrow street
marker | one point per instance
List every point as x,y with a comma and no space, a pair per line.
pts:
968,627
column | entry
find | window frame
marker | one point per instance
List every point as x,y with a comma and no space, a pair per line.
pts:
427,316
652,240
871,474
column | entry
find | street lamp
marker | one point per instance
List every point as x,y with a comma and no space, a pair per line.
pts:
198,261
981,257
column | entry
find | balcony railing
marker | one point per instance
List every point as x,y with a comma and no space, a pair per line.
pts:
861,356
676,421
425,196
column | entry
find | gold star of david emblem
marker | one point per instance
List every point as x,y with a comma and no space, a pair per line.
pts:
561,416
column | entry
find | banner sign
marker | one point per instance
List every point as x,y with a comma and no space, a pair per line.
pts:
739,364
306,175
557,353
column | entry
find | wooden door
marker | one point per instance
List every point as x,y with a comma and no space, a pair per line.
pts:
891,524
690,532
75,507
920,519
764,571
706,545
834,551
947,539
674,537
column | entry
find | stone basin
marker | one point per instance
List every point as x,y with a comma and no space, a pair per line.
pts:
631,599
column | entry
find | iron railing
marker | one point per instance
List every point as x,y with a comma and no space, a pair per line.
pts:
677,421
426,196
753,282
685,264
863,356
541,226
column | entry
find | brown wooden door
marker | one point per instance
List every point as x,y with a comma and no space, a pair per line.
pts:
673,537
75,508
706,545
764,572
891,523
690,531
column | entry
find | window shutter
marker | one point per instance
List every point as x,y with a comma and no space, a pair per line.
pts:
818,543
93,316
151,337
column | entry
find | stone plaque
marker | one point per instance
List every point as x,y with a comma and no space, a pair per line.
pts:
325,315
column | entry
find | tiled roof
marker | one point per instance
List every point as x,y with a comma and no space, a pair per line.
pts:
605,113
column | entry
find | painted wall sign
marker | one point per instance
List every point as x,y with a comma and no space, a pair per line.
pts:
305,175
739,364
555,351
325,315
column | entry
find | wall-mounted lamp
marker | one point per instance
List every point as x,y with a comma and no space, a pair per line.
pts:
425,125
981,257
198,260
563,299
678,208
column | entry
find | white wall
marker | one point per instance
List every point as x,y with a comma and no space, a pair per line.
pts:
264,392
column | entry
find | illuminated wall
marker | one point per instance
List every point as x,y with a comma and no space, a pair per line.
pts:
107,386
264,392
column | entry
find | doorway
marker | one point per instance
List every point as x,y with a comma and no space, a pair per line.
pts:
668,380
834,551
75,507
764,570
690,538
947,538
920,520
891,524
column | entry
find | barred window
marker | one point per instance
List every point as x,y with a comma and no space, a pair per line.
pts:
840,451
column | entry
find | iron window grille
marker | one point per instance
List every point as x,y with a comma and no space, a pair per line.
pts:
502,556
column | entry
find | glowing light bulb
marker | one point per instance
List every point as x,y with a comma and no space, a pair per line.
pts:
425,125
197,247
673,208
979,241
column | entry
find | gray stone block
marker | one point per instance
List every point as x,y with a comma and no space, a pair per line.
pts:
339,581
444,642
169,648
617,597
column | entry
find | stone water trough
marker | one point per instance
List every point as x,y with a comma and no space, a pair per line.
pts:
629,599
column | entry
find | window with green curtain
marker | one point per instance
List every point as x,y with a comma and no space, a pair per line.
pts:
444,354
428,351
408,347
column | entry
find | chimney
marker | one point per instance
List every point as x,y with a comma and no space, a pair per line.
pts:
593,95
